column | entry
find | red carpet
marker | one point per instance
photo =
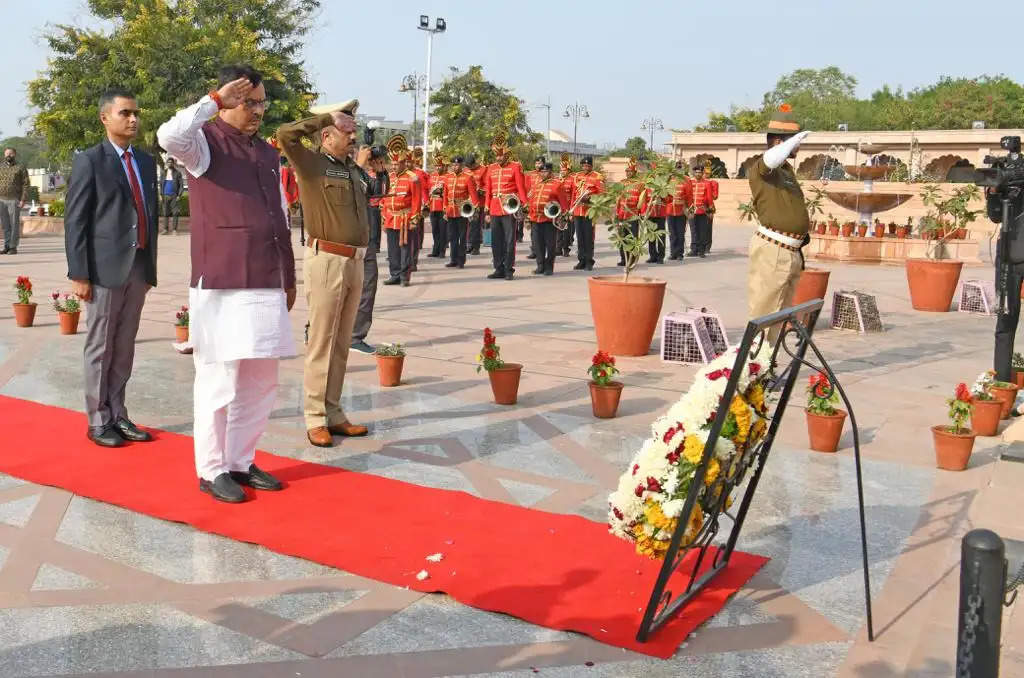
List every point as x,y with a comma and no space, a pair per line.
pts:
559,571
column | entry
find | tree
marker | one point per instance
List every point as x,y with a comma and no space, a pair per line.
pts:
636,147
31,150
168,52
826,84
467,110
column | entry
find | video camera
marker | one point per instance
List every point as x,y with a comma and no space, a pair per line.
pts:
1006,171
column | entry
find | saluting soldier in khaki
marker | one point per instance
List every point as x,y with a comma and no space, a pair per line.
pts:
775,257
334,207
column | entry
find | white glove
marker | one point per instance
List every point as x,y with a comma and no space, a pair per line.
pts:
776,155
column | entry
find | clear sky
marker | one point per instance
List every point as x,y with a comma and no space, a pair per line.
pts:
626,61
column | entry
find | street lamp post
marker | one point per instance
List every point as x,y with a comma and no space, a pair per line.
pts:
576,111
653,124
439,27
413,83
547,139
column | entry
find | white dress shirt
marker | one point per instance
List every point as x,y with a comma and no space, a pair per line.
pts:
225,325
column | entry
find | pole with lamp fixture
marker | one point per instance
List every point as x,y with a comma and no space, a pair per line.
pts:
654,125
547,139
439,27
413,83
575,111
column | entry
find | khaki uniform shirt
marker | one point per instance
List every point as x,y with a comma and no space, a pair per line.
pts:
13,181
778,200
332,192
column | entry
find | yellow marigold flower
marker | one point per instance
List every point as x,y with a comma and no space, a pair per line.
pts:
693,525
713,470
693,449
656,517
757,431
741,411
756,397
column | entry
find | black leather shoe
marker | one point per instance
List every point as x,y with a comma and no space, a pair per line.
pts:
257,479
6,250
531,255
508,276
579,266
432,256
223,488
130,431
475,250
589,267
620,263
496,275
450,264
406,283
548,271
538,270
105,436
13,250
392,281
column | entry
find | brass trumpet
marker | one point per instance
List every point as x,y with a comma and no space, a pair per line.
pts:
466,209
552,210
510,203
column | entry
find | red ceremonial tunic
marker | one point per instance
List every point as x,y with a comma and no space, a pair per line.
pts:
541,193
529,179
401,206
502,180
677,199
591,182
698,196
631,202
458,188
436,200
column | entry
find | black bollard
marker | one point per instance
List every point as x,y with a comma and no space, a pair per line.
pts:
982,582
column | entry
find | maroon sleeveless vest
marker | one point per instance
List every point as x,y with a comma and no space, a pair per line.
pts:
240,238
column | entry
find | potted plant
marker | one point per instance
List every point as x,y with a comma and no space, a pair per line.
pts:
862,230
820,227
24,309
879,229
933,280
833,225
824,420
504,376
904,231
626,310
390,360
1003,391
181,325
986,409
1018,369
953,444
847,230
604,393
892,228
68,312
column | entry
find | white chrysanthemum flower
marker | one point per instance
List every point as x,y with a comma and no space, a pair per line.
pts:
673,507
724,449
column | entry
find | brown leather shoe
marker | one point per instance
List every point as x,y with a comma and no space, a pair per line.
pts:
347,429
320,436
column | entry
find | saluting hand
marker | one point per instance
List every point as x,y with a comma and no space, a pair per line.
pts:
234,93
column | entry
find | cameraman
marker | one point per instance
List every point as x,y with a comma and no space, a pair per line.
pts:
378,184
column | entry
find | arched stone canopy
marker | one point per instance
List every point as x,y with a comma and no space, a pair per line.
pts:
718,169
742,173
821,166
938,168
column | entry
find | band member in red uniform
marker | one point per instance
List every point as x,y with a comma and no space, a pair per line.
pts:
415,164
438,223
585,184
675,214
699,202
400,211
714,197
503,179
476,222
544,191
657,214
459,187
630,204
531,178
563,239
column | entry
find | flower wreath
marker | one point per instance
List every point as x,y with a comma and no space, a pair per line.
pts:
646,507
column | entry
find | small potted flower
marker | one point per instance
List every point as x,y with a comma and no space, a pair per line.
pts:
833,225
1018,369
903,231
504,376
824,420
879,229
953,444
390,360
181,325
1002,391
892,228
986,410
68,312
604,393
862,230
24,309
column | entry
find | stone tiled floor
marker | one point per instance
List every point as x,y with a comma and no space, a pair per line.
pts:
90,589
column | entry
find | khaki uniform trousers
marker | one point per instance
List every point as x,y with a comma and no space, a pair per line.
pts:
771,280
334,285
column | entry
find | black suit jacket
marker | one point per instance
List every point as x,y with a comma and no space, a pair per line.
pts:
100,219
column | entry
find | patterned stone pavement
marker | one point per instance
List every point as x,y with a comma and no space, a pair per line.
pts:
88,589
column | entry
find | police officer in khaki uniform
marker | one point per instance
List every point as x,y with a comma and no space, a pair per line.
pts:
334,207
775,257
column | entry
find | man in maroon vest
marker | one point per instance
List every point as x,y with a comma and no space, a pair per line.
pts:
243,277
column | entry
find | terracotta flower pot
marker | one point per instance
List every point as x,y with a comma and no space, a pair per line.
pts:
824,430
24,314
846,230
952,450
813,284
625,313
389,369
892,229
833,229
862,230
68,322
879,231
1006,396
604,400
985,416
1018,378
820,228
181,333
505,383
901,231
932,283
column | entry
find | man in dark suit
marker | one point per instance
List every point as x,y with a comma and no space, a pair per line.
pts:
110,232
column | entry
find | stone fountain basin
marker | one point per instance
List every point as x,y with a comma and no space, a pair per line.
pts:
867,202
864,172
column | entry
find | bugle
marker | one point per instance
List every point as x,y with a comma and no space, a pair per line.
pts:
510,204
552,210
466,209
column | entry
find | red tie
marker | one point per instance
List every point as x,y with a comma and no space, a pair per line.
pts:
140,205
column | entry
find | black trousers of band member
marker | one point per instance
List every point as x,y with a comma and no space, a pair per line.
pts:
700,235
400,257
528,225
476,230
634,227
546,240
677,236
656,248
584,228
564,241
711,230
520,229
364,316
439,233
1006,325
458,232
503,243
